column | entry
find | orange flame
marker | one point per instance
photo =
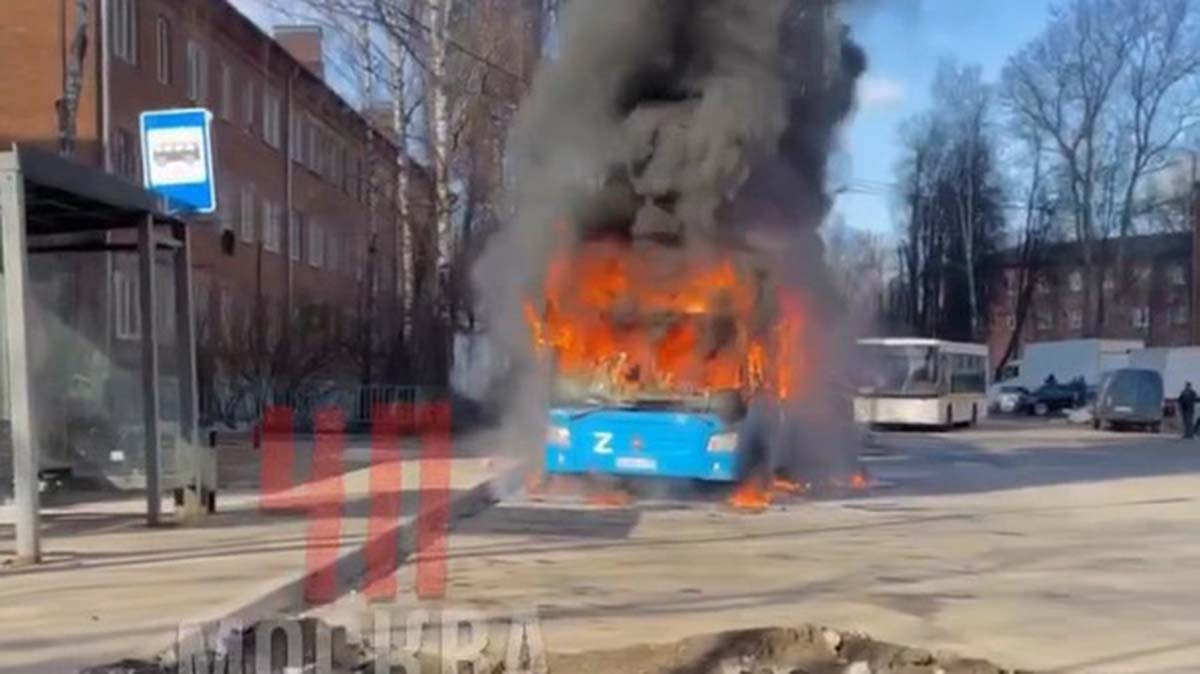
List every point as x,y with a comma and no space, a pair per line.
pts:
660,321
750,495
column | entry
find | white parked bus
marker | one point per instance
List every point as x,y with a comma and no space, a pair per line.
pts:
921,382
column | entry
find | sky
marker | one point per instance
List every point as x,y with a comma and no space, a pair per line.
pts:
904,41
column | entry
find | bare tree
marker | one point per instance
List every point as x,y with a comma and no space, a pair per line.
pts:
1111,83
951,190
1062,84
246,363
1032,237
857,260
1157,107
964,100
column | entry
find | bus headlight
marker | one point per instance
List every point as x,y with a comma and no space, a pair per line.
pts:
723,443
558,436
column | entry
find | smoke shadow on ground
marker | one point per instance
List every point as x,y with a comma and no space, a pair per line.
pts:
552,522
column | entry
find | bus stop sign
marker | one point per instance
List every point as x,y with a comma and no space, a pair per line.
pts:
177,158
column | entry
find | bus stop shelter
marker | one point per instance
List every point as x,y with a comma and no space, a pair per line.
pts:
51,205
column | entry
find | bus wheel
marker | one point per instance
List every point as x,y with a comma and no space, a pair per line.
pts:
974,415
949,417
1097,424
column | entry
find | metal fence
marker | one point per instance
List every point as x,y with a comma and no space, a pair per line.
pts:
355,403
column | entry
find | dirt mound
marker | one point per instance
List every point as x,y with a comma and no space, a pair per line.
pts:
803,650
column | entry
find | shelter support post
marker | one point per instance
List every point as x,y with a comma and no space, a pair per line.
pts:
149,334
199,490
26,461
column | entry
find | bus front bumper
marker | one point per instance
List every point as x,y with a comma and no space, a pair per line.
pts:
698,465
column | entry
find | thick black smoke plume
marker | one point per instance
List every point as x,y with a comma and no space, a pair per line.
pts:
693,123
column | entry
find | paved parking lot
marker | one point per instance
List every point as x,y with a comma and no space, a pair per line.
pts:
1039,546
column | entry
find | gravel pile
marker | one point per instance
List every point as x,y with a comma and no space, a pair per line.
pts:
803,650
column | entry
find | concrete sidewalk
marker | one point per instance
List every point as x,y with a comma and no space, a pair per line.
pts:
113,589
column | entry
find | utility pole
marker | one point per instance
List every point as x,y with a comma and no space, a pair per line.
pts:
67,107
1195,216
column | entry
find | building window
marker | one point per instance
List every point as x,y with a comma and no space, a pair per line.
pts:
127,311
332,253
1180,315
312,135
296,136
1075,319
1142,275
295,236
226,92
339,166
247,220
1010,321
1075,280
163,44
201,313
316,244
225,205
124,30
1141,318
360,181
225,310
1110,281
1042,286
1045,320
1177,275
272,227
125,155
272,132
248,106
344,169
197,79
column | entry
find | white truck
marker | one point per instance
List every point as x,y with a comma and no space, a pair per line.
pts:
1072,359
1177,365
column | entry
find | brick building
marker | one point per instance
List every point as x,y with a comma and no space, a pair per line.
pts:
1153,304
306,235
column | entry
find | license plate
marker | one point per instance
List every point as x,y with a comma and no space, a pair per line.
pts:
636,463
1123,409
116,456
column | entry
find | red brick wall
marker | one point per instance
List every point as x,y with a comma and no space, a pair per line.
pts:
32,79
29,44
1159,289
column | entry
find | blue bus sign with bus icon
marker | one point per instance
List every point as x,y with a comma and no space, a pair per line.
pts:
177,158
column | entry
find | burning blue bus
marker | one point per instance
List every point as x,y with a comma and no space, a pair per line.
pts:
660,375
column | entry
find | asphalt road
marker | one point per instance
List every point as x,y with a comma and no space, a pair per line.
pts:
1038,546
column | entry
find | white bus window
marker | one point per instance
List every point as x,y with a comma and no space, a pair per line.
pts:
910,370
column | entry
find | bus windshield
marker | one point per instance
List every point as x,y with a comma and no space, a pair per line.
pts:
898,370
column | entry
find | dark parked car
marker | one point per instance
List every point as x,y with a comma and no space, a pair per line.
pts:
1131,398
1010,399
1054,397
